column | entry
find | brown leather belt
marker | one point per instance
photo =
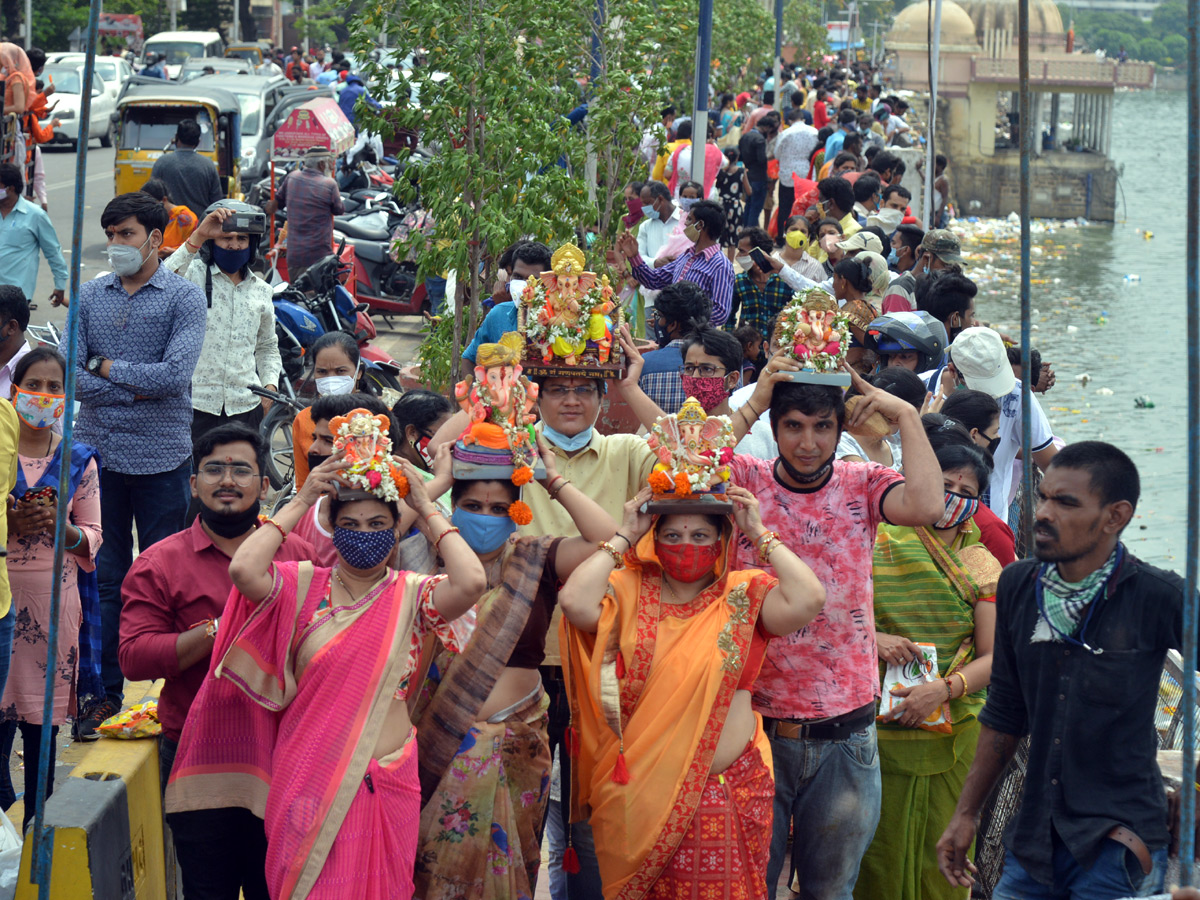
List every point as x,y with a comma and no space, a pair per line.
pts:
1134,845
838,728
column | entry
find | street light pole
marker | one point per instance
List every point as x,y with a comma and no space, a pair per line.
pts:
237,20
700,106
778,55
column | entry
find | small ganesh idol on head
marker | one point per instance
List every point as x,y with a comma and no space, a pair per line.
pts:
500,395
694,450
814,331
363,440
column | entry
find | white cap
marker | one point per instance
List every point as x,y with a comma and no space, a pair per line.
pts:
979,356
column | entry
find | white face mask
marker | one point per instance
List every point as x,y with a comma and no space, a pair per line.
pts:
516,287
887,219
126,260
745,262
335,384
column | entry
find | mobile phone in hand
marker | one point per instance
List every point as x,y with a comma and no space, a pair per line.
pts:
47,496
760,259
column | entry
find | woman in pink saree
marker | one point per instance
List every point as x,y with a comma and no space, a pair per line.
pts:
332,650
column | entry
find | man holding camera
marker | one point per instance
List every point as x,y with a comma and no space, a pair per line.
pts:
240,347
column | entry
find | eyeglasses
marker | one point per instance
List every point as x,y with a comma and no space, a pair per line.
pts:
243,476
558,392
705,371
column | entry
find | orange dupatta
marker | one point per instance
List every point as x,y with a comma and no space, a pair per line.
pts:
654,685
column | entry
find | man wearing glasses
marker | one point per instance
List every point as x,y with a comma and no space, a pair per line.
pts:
174,599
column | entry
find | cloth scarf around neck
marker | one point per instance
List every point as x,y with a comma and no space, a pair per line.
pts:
1065,603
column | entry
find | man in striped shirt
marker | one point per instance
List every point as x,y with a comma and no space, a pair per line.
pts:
704,264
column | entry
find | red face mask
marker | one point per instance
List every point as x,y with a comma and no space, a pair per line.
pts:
687,562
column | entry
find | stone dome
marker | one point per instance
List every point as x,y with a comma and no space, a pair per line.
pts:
911,28
1001,15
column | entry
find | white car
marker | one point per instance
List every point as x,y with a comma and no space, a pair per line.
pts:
66,80
113,72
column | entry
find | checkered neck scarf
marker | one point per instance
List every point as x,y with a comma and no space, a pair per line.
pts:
1065,603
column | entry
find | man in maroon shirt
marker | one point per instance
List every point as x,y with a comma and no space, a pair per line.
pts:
173,598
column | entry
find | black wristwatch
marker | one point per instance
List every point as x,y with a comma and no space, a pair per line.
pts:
94,364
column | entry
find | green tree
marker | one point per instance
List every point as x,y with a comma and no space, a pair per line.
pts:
1151,50
492,107
1170,18
322,24
1176,46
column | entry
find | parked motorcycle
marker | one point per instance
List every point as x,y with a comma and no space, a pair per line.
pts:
386,284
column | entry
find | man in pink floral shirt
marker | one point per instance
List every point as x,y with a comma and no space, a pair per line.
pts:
818,686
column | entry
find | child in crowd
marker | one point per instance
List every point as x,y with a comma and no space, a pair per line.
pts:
752,350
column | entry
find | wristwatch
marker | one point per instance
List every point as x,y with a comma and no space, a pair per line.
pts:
94,364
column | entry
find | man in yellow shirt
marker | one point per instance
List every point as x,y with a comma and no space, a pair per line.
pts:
861,102
683,137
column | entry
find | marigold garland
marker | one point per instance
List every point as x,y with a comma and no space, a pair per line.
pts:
520,512
522,475
660,482
683,485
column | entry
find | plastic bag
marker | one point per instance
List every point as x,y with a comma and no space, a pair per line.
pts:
910,674
136,722
10,858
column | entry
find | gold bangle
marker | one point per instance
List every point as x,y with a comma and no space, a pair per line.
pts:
555,491
764,555
283,534
617,558
437,541
964,681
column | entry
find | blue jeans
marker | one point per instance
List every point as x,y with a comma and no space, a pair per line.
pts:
158,504
1114,873
754,204
435,290
829,793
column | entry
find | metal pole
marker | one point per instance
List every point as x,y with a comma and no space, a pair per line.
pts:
237,20
172,4
1026,138
28,24
700,106
779,55
43,844
1188,811
934,76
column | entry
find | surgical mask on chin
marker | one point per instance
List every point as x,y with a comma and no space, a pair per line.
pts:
959,508
483,533
335,384
229,526
796,239
563,442
745,262
363,550
125,260
39,410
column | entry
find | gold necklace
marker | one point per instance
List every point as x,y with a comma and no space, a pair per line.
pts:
350,593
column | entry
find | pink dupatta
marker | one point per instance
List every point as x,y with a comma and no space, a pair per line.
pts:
333,678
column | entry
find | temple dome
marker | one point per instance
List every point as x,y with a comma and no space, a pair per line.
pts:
1001,15
911,28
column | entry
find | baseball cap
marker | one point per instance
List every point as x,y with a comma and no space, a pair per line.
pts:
862,240
944,245
979,356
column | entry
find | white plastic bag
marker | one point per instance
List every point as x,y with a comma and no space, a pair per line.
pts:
10,858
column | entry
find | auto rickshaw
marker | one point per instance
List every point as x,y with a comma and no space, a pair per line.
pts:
147,116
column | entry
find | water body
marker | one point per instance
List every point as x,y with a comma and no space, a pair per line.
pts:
1130,337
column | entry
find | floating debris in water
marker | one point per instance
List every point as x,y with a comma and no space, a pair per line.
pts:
1143,401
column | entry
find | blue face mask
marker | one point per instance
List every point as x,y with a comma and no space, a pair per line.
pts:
483,534
363,549
893,259
230,260
649,212
570,444
686,203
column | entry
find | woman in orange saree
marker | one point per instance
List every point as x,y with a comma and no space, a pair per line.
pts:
673,768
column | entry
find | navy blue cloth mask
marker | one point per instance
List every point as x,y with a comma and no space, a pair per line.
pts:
482,533
363,549
230,260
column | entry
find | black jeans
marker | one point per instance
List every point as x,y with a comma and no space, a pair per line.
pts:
221,853
585,884
31,738
787,198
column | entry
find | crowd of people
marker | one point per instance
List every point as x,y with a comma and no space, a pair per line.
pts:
417,670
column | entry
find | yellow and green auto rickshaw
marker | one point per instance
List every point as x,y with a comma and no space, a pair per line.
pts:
147,116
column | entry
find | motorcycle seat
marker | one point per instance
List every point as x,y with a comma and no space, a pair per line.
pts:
371,251
354,227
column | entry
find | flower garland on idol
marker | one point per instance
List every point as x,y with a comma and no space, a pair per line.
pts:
364,442
694,451
814,331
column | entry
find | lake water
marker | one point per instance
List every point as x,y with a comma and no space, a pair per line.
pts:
1129,336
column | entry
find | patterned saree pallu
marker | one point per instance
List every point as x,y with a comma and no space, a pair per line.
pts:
569,320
